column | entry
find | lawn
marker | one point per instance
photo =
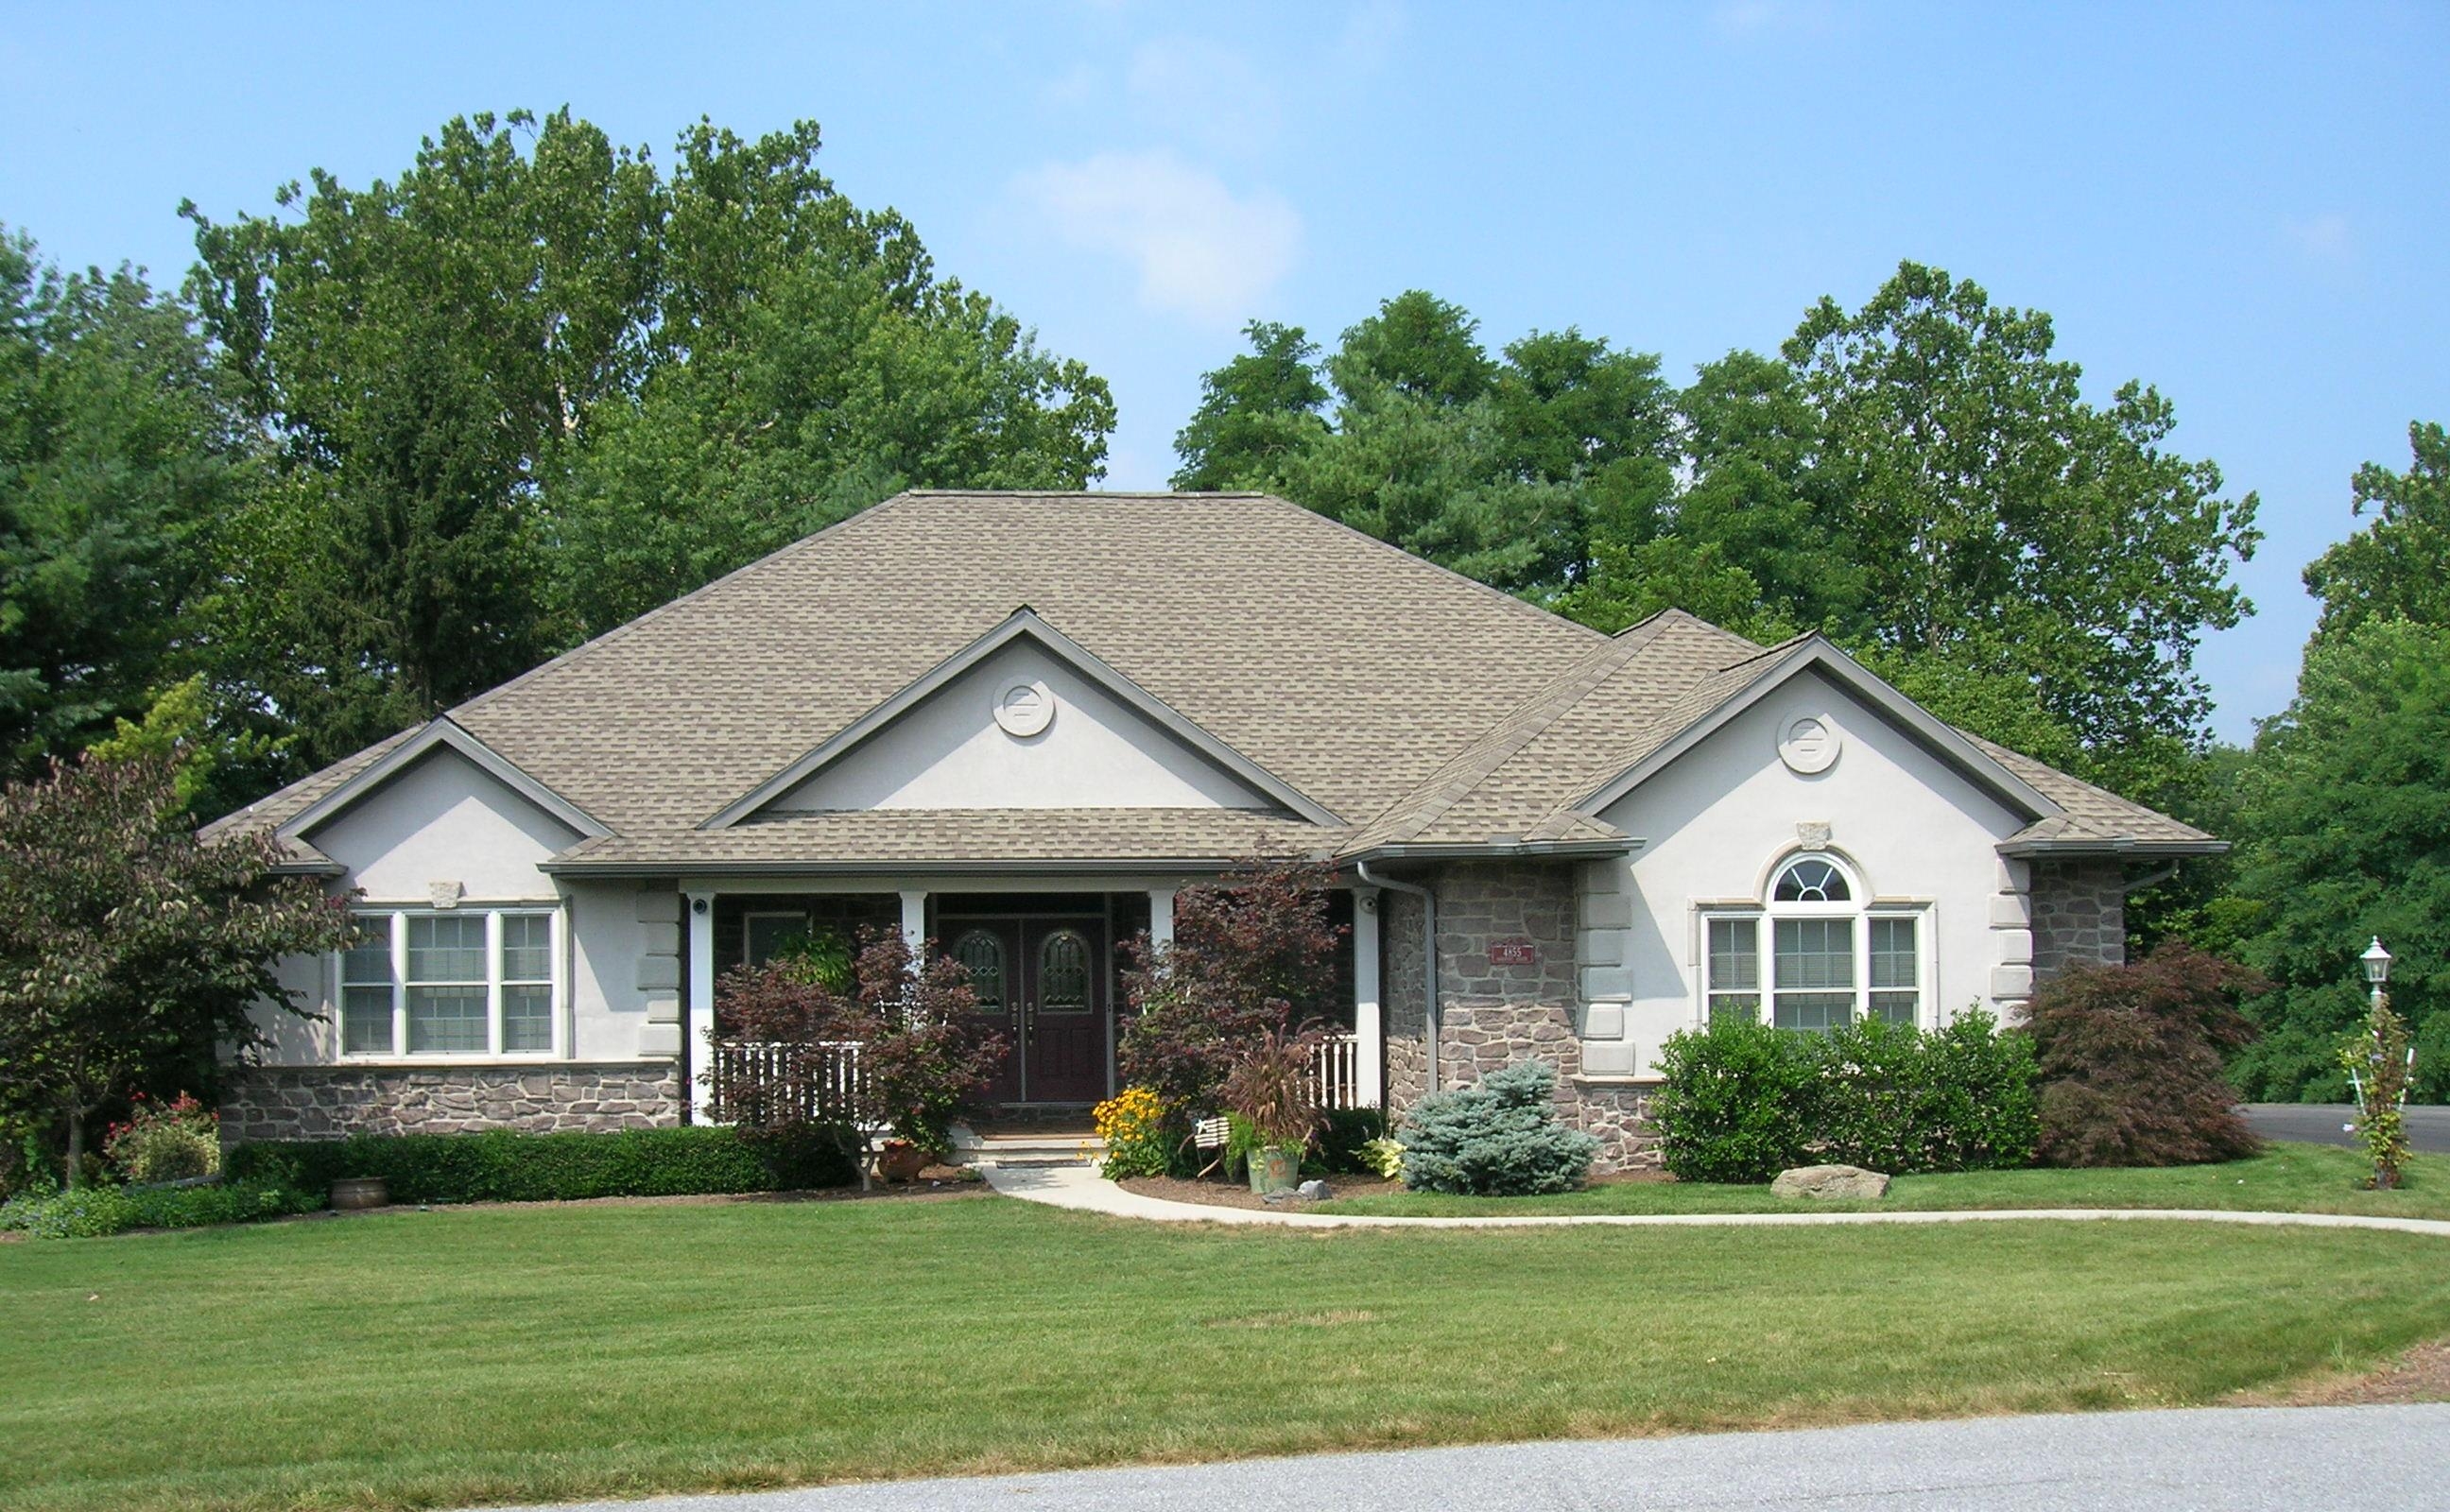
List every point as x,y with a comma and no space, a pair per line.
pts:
436,1359
2286,1178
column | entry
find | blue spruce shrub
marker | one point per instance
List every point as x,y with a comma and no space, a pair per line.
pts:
1500,1138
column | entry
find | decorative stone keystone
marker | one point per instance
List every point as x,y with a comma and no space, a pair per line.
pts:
1828,1182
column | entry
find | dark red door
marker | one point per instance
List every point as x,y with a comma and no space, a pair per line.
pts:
1064,1009
990,949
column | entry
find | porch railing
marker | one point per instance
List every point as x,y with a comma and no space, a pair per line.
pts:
1336,1072
749,1077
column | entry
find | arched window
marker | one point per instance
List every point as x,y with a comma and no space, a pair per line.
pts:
1819,950
1063,973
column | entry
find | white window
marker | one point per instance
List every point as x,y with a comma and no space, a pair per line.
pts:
467,983
1826,954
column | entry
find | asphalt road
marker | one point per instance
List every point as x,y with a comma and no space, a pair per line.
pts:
2429,1128
2376,1459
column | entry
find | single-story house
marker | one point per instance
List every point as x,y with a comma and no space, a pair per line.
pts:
1019,724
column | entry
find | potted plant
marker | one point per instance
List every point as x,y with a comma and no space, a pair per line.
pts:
900,1160
1271,1089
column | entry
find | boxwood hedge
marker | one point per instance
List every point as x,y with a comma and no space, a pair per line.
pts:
509,1166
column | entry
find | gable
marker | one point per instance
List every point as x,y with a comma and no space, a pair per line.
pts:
950,749
442,818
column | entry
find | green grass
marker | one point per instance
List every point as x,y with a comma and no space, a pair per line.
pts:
449,1358
2286,1178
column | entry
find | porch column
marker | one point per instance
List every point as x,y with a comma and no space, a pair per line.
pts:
914,918
699,921
1161,918
1369,1022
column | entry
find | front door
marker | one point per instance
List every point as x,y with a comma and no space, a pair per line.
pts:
1041,986
1063,1019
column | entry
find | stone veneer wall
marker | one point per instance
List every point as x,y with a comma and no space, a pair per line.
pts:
1494,1016
328,1102
2079,910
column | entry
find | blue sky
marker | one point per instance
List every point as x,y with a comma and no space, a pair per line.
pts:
2247,206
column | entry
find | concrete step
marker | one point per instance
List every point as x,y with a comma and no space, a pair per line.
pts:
971,1149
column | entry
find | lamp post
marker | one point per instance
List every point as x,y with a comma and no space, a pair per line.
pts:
2380,1063
2377,967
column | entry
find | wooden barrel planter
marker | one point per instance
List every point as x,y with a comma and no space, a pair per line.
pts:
350,1193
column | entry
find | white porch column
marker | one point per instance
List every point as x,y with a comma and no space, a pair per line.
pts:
700,925
1161,918
914,918
1369,1022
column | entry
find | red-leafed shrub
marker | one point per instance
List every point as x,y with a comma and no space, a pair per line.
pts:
920,1060
2130,1061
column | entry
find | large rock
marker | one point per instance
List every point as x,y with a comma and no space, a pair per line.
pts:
1828,1182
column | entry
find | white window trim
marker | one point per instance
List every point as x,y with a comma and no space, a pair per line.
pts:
557,950
1764,912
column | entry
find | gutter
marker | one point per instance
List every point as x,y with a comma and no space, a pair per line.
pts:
2135,848
1495,851
1429,952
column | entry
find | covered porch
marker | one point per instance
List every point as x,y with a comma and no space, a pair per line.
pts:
1047,957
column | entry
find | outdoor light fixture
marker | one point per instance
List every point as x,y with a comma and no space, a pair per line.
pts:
697,905
2377,964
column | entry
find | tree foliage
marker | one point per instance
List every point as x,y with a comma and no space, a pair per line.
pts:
1919,479
536,385
2344,822
2393,568
2130,1061
1250,957
129,949
118,450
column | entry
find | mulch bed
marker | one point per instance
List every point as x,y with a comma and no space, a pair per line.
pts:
2422,1374
1238,1195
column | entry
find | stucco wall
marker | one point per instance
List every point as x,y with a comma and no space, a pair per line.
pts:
949,752
1718,820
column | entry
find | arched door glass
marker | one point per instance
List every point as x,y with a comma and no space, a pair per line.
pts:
981,953
1063,973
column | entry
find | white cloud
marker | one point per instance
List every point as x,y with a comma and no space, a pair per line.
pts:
2323,238
1199,249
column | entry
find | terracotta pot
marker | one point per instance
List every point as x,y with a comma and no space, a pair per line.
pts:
900,1163
352,1193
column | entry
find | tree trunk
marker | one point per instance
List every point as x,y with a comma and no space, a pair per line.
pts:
76,1148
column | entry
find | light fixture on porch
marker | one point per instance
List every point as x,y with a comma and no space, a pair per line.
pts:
697,905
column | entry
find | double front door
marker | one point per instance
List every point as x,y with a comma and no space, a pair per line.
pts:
1040,984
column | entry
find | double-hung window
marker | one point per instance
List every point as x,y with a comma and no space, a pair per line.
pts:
466,982
1816,952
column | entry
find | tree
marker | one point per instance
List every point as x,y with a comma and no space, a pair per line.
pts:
536,386
2343,824
2003,524
2393,566
921,1060
128,947
1255,412
2130,1061
117,448
1252,955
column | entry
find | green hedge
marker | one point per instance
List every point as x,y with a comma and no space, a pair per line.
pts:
90,1213
506,1166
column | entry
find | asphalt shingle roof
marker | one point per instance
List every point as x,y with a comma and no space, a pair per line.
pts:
1419,706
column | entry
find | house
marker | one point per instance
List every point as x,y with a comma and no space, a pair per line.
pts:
1019,724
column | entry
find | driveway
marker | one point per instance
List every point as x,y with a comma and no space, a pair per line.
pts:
2429,1128
2376,1459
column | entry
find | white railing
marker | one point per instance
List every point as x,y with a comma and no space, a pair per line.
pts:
746,1074
1336,1072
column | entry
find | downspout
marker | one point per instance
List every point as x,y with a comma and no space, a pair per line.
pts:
1429,953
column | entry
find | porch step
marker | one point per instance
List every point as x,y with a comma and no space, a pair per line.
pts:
1025,1149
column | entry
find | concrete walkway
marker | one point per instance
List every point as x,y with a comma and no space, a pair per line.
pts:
2376,1458
1082,1190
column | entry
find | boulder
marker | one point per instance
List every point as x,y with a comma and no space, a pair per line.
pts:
1314,1191
1827,1182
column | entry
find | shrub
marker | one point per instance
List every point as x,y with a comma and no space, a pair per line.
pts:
505,1166
1499,1138
1269,1088
1381,1158
1133,1124
1346,1137
88,1213
2130,1061
165,1141
1738,1101
1898,1099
